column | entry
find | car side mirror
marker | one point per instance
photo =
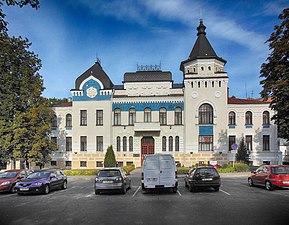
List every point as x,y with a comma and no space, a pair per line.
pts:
20,177
52,176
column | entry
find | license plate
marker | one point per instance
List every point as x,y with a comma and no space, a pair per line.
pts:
107,181
285,182
207,179
152,179
24,189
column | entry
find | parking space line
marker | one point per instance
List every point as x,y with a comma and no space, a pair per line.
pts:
225,192
179,193
136,191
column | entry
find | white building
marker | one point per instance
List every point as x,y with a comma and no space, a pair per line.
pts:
196,121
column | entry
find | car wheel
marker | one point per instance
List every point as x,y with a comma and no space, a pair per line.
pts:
123,190
174,189
13,189
268,186
64,185
96,192
250,182
46,189
191,188
186,185
216,188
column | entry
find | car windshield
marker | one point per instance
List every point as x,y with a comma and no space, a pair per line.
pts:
109,173
8,174
280,170
207,171
40,174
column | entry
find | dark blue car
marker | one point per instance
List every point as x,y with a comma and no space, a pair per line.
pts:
42,182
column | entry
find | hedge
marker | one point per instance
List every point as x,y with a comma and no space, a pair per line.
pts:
93,172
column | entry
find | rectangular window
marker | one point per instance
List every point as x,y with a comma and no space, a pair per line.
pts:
99,164
53,163
130,144
54,140
266,142
68,163
83,164
117,117
99,117
124,144
232,140
68,144
119,164
129,163
178,117
83,118
205,143
249,142
83,143
99,143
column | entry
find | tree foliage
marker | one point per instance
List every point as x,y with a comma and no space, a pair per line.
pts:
276,74
242,154
25,119
109,159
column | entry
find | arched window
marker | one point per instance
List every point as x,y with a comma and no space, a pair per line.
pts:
118,144
206,114
178,116
68,120
130,144
117,116
164,143
124,144
171,143
54,121
147,115
266,118
232,118
248,118
177,144
131,116
163,116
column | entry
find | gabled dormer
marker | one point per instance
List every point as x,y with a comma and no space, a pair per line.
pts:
203,60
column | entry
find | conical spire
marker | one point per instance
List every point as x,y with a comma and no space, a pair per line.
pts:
202,48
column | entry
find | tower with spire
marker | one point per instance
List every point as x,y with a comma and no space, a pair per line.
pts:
206,86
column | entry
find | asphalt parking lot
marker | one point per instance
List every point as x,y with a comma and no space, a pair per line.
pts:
235,203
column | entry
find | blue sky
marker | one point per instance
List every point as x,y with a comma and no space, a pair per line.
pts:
69,35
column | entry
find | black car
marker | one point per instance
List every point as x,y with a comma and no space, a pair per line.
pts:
42,181
203,176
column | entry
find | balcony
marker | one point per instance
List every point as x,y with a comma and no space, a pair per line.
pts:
151,126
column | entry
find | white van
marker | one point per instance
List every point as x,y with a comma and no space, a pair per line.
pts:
159,171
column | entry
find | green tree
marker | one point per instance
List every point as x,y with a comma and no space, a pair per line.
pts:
55,101
25,119
242,154
109,159
276,74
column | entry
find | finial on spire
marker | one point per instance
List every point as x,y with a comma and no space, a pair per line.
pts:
201,28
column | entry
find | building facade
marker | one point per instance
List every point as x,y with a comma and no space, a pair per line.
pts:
196,121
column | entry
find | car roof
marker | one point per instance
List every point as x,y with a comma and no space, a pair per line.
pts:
198,167
16,170
111,168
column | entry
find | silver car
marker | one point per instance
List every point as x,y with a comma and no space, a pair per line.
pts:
109,179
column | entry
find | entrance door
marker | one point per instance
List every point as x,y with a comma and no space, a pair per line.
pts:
147,147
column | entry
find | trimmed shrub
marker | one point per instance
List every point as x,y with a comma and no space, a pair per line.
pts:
109,159
238,167
129,168
81,172
182,170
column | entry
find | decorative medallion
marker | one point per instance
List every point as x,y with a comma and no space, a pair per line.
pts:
91,92
194,94
218,94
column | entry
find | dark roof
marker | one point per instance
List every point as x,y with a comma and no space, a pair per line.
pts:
202,48
234,100
96,71
180,85
148,76
63,104
118,87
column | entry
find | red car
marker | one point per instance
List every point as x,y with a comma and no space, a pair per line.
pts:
270,176
9,178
